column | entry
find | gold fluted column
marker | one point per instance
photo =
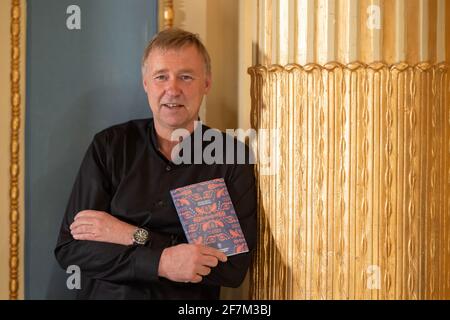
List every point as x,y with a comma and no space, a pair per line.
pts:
360,205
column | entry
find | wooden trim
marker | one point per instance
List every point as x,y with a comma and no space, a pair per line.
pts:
15,155
165,14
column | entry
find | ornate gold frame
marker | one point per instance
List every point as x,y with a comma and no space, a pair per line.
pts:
15,154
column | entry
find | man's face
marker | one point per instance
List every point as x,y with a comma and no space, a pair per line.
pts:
175,81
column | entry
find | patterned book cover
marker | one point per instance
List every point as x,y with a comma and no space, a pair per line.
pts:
208,216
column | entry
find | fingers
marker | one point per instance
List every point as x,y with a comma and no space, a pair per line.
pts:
87,218
213,252
81,222
209,261
81,229
203,271
84,236
188,262
82,225
196,279
88,214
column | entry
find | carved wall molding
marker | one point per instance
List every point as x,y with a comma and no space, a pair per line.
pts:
15,155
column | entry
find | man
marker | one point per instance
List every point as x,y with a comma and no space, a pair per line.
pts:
121,227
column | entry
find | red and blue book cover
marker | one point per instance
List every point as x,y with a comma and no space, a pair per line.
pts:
208,216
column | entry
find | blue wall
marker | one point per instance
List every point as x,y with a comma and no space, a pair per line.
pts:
78,82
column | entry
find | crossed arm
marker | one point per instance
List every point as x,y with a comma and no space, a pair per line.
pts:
100,244
181,263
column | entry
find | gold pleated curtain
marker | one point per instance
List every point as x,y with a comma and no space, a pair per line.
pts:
359,207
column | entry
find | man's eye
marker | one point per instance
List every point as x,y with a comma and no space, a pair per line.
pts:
161,78
186,78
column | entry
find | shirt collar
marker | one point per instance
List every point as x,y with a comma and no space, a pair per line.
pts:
155,144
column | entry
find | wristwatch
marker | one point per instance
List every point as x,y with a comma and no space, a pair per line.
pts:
140,236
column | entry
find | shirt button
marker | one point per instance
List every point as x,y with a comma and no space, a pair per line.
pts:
160,203
168,168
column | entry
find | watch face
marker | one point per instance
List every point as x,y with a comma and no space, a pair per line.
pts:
140,236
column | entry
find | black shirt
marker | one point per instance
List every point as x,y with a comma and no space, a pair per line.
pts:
124,174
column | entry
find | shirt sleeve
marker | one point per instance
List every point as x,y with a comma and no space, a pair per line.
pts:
93,189
242,189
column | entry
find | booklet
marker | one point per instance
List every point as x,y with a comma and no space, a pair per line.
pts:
208,216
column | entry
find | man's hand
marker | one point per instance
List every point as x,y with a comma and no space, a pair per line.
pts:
188,262
101,226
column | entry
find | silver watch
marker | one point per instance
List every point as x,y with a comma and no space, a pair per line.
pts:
140,236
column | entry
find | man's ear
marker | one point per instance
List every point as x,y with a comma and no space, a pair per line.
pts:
208,82
144,83
144,78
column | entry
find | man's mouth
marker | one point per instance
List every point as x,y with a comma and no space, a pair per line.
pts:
172,105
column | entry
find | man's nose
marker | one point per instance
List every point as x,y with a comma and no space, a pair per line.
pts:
173,87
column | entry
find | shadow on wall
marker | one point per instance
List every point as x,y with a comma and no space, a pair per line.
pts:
276,273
